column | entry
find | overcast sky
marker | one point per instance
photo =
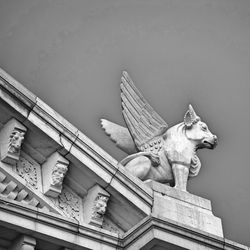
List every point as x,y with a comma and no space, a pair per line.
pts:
71,54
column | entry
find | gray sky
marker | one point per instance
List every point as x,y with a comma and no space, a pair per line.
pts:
71,54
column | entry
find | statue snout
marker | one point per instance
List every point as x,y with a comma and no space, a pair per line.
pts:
209,142
215,140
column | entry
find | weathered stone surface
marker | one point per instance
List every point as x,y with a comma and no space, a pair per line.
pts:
157,233
53,172
166,155
11,138
187,214
180,195
185,208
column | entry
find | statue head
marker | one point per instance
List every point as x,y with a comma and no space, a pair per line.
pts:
197,131
100,205
15,141
58,174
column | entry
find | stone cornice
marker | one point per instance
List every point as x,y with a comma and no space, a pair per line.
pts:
64,231
74,142
61,230
153,225
8,83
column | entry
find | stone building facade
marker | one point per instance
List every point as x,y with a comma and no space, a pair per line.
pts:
59,190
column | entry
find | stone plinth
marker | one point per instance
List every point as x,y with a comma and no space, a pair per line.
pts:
185,208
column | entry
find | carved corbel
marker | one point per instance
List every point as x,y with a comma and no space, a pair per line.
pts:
95,206
11,138
53,172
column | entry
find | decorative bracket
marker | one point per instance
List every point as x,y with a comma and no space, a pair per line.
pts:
11,138
53,172
95,206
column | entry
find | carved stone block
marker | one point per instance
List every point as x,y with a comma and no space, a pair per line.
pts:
53,173
95,206
184,208
11,138
29,170
70,203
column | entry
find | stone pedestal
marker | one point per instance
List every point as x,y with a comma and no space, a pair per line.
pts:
185,208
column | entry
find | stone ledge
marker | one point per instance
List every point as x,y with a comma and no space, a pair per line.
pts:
180,195
231,245
156,230
17,89
185,208
55,228
151,230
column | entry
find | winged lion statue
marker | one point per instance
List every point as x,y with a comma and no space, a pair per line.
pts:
157,152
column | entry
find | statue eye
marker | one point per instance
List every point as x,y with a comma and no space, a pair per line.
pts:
204,128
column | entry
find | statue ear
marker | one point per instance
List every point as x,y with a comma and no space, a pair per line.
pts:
188,120
190,117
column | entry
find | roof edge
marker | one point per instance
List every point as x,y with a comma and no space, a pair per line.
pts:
38,112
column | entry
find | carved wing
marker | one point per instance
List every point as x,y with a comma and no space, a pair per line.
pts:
143,122
120,135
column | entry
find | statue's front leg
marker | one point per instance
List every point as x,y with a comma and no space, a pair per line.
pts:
180,176
139,167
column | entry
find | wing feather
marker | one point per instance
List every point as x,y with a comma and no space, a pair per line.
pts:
120,135
140,100
142,120
136,117
138,135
